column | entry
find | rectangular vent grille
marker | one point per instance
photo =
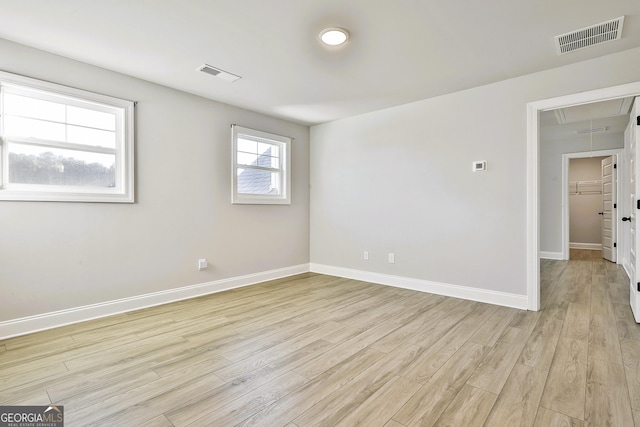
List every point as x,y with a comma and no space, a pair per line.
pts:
589,36
217,72
210,70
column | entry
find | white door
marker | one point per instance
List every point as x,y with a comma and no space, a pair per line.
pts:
609,237
632,146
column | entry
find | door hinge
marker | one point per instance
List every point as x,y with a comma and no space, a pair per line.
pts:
615,166
638,120
615,245
615,206
638,203
638,286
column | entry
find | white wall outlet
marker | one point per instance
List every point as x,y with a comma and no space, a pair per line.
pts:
479,165
365,255
202,264
392,258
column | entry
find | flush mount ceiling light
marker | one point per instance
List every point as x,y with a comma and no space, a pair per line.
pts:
334,36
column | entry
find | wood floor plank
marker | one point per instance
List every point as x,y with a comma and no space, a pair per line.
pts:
169,399
469,408
581,286
159,421
576,322
140,348
92,407
378,409
549,418
413,328
627,327
305,397
607,401
273,354
431,360
526,320
518,401
494,370
99,381
241,409
603,339
541,346
251,346
223,395
631,358
495,326
565,389
20,399
430,401
344,350
350,396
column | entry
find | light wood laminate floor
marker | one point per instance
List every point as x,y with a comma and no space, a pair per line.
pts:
318,350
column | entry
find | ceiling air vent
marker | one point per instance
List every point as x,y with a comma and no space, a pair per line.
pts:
217,72
589,36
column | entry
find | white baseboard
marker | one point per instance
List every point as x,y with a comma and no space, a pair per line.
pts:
588,246
456,291
551,255
40,322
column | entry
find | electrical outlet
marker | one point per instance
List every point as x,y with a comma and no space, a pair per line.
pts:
202,264
392,258
365,255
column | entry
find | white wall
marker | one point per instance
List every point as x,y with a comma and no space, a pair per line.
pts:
56,256
399,180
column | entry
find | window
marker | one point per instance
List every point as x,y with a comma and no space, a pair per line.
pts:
63,144
261,164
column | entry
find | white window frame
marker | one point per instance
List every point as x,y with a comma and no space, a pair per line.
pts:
284,143
123,192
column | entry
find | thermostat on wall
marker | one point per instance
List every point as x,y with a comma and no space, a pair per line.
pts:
479,165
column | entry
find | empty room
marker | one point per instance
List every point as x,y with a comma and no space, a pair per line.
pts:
301,213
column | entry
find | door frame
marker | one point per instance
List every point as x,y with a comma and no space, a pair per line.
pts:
533,171
565,190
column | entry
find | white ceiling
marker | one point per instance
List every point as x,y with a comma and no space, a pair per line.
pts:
399,51
564,123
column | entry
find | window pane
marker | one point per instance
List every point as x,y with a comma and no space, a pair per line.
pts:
251,181
87,136
247,146
267,162
18,105
33,128
91,118
247,159
52,166
267,149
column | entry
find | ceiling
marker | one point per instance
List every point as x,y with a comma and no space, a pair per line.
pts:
399,51
568,123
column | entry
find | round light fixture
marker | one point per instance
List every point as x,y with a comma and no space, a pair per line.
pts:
334,36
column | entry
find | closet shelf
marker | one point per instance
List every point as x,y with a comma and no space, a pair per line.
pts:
585,187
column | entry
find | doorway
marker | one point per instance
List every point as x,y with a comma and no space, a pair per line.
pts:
534,110
587,213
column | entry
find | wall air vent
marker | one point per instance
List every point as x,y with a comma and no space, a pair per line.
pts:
589,36
217,72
